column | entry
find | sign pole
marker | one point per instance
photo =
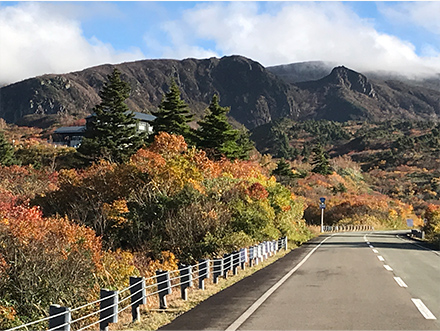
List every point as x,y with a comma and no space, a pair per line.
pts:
322,206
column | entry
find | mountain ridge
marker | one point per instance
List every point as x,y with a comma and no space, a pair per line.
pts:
255,94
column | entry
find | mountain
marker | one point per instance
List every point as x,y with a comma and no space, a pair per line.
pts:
256,95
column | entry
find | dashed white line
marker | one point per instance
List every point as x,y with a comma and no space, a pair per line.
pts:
380,258
375,250
400,282
386,266
423,309
371,246
368,242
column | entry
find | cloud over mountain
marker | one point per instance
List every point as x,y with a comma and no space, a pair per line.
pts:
37,38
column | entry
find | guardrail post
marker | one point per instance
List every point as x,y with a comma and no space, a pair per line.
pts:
259,253
163,287
203,273
109,308
243,258
235,262
227,264
185,280
138,297
217,270
61,322
252,254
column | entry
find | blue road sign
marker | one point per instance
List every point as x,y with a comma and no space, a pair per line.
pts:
322,200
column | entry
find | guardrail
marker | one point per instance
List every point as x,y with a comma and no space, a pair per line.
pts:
106,309
418,233
343,228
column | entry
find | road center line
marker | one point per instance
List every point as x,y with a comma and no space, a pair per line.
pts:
423,309
400,282
386,266
239,321
380,258
371,246
375,250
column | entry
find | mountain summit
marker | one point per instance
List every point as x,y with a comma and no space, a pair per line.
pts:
255,94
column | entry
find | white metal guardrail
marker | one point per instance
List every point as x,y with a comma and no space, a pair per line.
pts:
341,228
112,303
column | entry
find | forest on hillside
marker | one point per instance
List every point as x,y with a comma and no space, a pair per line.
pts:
89,218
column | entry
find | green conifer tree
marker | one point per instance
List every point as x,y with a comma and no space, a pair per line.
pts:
283,169
6,151
173,115
111,134
320,161
217,137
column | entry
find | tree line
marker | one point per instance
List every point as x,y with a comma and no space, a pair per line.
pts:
112,133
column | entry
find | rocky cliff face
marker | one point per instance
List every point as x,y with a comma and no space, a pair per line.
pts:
255,94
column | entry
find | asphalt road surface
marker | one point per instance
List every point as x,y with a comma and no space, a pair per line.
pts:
343,281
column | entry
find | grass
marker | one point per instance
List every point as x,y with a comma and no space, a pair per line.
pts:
152,319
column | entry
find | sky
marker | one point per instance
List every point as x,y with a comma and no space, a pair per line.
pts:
38,38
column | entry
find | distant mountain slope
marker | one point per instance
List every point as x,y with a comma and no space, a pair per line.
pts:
255,94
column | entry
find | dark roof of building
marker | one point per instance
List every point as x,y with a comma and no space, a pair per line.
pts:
70,129
138,116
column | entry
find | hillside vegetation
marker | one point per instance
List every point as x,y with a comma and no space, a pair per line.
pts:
70,227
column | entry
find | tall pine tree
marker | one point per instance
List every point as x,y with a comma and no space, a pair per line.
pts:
320,161
173,115
111,133
217,136
6,151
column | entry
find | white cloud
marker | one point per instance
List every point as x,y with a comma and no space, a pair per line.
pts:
36,39
422,13
296,32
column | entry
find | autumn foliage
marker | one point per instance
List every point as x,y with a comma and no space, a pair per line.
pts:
66,233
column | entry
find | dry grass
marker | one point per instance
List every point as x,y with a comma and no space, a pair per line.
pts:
152,319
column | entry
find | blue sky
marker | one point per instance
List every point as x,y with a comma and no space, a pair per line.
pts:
58,37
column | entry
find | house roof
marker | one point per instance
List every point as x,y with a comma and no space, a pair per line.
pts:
70,129
138,116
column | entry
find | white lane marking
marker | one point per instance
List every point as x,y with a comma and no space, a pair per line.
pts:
371,246
368,242
375,250
239,321
400,282
365,237
386,266
381,259
423,309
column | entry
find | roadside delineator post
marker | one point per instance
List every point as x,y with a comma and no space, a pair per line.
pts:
61,322
185,280
217,269
108,307
203,273
138,297
163,287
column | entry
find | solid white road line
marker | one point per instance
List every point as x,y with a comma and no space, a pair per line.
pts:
386,266
400,282
423,309
375,251
239,321
381,259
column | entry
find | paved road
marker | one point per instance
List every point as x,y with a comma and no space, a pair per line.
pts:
333,282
